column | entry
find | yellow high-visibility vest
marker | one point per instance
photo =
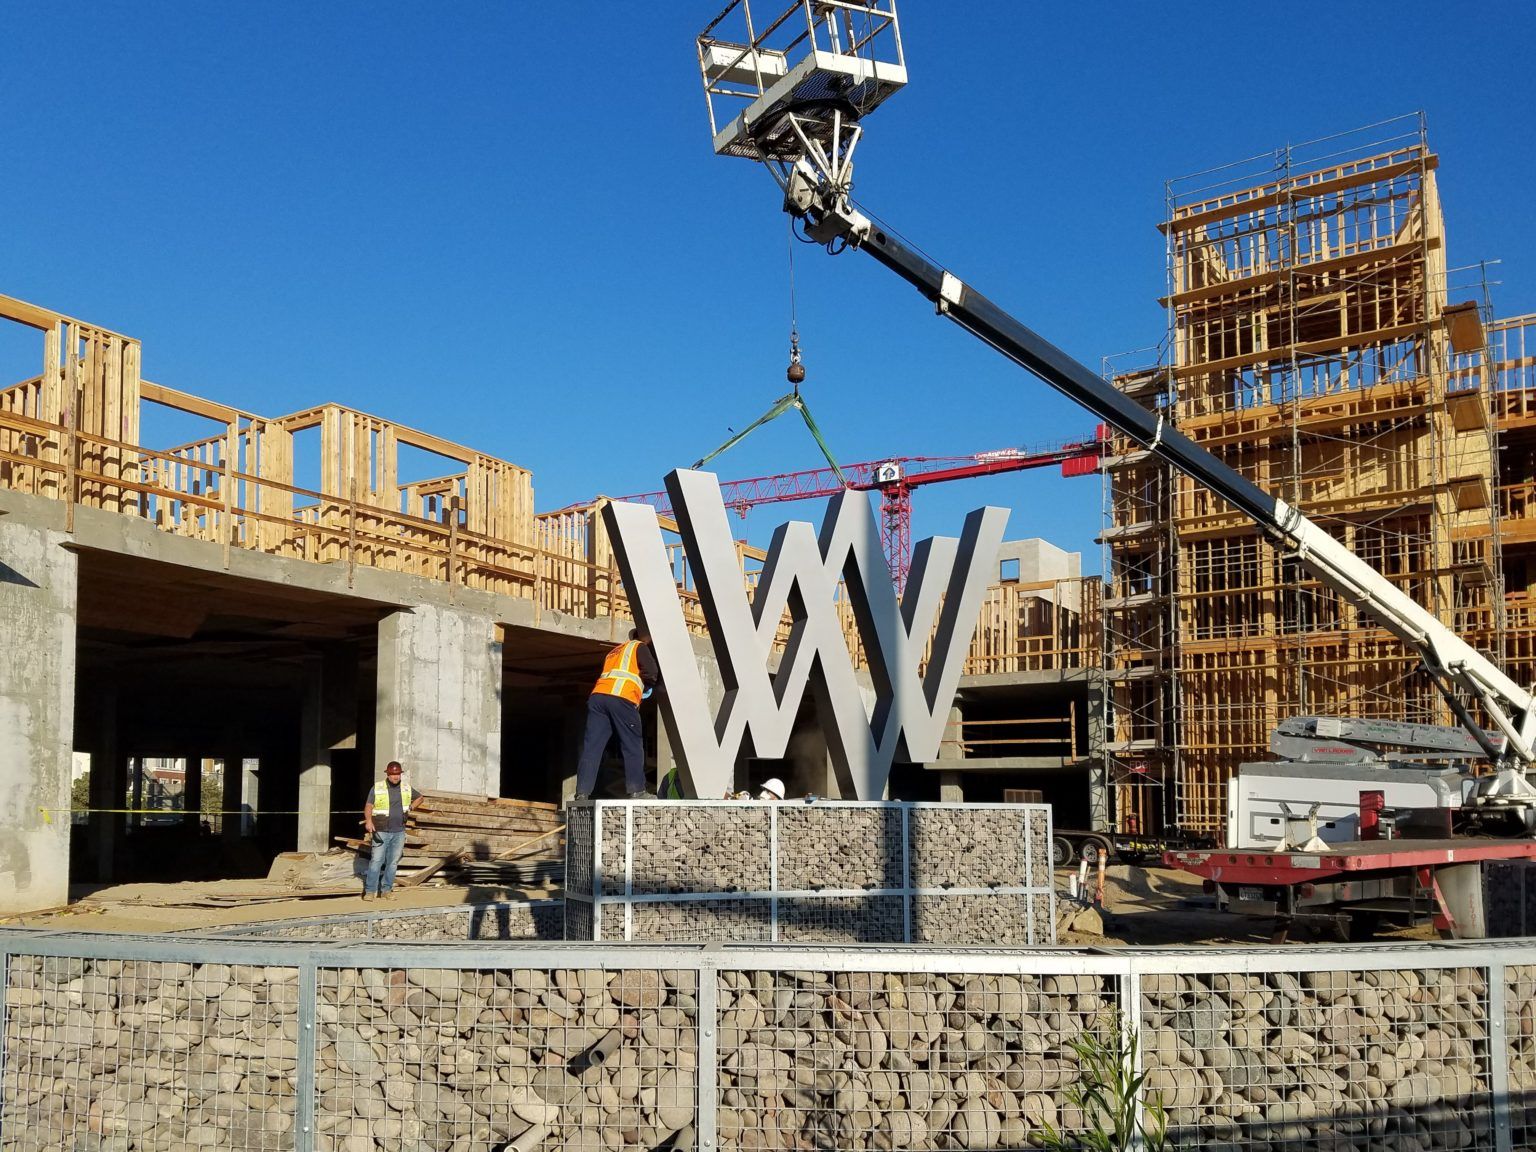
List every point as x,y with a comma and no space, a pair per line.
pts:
381,796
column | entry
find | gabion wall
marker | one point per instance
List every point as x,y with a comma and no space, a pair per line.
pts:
124,1044
670,871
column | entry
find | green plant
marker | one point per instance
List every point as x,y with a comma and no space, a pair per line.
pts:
1110,1094
80,793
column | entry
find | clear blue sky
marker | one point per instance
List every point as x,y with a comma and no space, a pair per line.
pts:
503,224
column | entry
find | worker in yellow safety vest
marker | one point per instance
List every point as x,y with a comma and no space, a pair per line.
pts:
384,814
613,711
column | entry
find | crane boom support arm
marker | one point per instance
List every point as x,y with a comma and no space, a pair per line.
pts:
1449,659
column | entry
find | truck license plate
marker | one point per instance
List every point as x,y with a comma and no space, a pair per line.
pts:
1250,892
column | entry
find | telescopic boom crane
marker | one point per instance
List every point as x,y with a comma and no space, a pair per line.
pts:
807,80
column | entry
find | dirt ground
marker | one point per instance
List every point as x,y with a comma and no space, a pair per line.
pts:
1142,906
183,907
1153,906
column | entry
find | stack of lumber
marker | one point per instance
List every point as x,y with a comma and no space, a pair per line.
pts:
488,840
484,827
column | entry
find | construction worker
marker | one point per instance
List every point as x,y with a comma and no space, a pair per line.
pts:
384,815
613,710
773,789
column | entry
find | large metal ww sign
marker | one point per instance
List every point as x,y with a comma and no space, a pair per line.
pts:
948,579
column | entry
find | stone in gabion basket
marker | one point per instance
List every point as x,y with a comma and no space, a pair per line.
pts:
836,846
1395,1059
475,1060
120,1054
813,1059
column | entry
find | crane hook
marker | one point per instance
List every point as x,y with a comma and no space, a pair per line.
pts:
796,371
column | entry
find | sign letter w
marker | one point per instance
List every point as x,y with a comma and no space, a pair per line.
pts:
751,709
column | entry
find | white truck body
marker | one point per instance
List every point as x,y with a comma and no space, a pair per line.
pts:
1255,818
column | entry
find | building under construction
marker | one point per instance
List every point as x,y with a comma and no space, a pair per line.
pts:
274,605
1320,342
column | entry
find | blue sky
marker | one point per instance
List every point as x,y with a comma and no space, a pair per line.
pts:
502,224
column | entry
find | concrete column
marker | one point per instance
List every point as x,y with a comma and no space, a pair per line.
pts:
810,771
952,783
250,795
192,792
439,699
109,783
314,763
234,784
954,732
38,581
327,723
573,722
1099,815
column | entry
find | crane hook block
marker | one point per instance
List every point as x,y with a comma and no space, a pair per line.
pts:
796,370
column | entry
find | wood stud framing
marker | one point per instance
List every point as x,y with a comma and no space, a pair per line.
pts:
1315,349
473,525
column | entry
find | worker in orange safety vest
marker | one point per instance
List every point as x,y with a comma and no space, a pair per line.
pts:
613,711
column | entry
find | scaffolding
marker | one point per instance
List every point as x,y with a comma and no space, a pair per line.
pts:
1313,344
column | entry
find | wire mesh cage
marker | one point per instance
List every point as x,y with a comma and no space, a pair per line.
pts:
839,872
129,1043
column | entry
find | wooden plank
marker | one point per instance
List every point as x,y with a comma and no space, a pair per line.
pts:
186,402
467,822
29,314
449,842
432,870
509,812
435,794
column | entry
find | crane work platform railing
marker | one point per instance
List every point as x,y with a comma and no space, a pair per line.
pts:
817,58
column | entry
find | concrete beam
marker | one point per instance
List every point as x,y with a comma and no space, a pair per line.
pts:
38,581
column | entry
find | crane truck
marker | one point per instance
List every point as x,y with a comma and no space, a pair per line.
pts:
792,92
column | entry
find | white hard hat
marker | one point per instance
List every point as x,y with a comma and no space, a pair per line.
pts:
774,787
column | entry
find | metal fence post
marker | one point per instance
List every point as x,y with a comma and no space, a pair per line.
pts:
629,871
708,1098
597,870
908,892
1499,1056
1128,1018
773,873
5,984
305,1090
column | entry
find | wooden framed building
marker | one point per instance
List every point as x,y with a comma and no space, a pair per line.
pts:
1318,344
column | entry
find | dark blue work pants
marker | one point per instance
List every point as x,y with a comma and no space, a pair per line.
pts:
609,716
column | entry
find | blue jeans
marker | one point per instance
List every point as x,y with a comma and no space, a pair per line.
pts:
388,847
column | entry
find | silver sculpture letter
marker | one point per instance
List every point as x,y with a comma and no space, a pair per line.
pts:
801,574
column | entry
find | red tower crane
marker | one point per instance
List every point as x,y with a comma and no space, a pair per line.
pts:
894,478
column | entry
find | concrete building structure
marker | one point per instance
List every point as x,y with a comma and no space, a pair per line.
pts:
194,603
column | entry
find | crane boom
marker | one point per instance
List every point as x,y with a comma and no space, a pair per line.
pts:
871,475
1451,661
807,142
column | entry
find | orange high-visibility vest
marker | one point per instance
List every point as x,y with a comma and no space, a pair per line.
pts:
621,674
